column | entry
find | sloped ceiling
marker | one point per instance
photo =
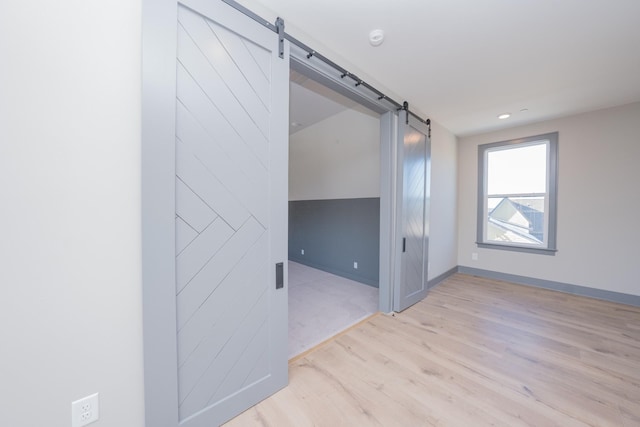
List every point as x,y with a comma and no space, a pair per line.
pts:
310,102
463,62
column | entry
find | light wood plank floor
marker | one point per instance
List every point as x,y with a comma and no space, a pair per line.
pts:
475,352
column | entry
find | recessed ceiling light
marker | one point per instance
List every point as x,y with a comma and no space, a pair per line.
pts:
504,116
376,37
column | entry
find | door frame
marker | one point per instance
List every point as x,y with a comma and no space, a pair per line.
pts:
159,47
388,210
330,78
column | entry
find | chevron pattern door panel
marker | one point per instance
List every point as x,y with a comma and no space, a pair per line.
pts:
413,199
411,285
224,285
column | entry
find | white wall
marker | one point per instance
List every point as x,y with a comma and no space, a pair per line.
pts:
443,250
70,310
598,202
337,158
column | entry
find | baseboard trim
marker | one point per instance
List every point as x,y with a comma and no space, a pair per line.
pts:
441,278
567,288
346,275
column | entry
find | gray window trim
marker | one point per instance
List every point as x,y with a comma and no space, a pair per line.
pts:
552,172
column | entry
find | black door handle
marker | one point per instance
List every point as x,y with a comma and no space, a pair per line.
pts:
279,275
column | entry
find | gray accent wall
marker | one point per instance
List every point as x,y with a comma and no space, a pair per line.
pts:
336,233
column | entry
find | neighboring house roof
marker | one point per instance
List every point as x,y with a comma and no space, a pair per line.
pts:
517,220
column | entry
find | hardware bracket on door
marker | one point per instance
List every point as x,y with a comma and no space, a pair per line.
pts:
280,29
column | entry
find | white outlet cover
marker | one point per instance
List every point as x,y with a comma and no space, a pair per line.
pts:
85,411
355,265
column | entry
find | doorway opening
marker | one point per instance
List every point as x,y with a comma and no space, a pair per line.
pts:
334,213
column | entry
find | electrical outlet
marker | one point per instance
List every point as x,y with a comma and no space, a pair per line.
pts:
85,411
301,251
474,256
355,265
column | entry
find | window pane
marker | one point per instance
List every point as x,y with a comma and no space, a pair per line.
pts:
516,220
521,170
517,199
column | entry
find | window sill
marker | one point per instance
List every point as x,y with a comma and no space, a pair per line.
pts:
526,249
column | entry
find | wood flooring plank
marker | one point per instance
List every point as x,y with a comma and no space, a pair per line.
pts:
435,386
475,352
470,365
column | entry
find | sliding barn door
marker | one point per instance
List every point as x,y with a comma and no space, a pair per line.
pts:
414,159
230,101
231,181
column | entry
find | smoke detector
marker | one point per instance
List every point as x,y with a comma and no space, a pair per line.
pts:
376,37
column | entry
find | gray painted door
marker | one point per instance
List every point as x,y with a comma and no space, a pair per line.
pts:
231,212
414,161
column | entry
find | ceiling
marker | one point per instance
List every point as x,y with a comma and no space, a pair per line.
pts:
311,102
464,62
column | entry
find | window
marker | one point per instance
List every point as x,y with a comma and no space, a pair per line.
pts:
517,183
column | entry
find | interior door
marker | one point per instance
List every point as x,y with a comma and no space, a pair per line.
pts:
229,223
414,164
231,212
